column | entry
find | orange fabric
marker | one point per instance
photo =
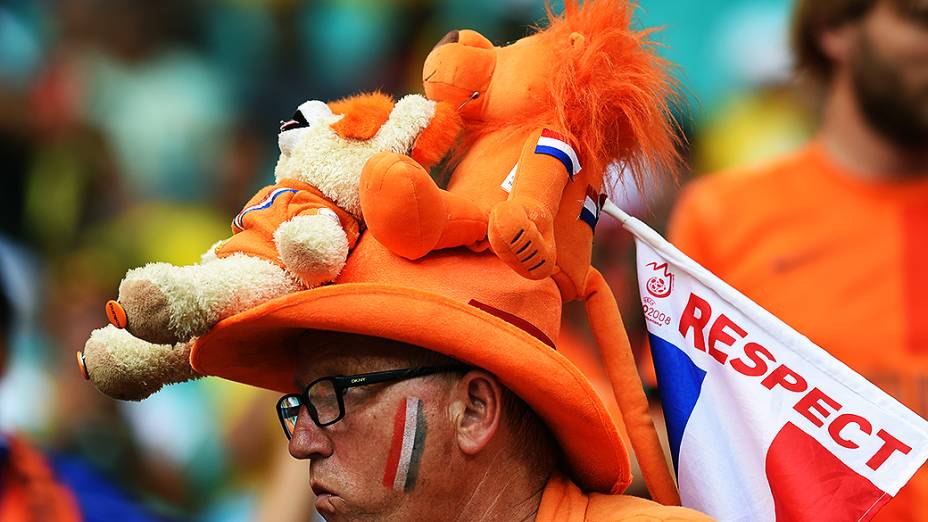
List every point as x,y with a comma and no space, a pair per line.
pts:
572,344
29,491
840,259
606,323
521,228
429,303
562,501
257,238
406,211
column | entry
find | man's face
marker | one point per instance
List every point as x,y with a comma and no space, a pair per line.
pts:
889,71
387,458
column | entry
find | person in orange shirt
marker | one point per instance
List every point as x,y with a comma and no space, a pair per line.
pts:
833,239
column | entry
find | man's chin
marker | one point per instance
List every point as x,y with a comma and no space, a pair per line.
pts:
332,507
335,508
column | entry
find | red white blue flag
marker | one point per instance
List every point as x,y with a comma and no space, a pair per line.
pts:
763,424
592,205
555,144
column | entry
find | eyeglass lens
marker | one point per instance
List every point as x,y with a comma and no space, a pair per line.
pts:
323,406
324,398
289,410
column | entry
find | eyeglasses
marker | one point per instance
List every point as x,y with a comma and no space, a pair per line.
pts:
324,397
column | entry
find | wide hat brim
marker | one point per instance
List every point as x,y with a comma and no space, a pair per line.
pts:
464,305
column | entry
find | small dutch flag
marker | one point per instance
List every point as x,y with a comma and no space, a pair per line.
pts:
555,144
592,204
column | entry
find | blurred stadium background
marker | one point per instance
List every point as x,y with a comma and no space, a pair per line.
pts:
133,131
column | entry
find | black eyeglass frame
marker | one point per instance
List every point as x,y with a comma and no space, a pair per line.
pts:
340,383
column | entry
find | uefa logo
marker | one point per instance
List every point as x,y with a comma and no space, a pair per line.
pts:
660,284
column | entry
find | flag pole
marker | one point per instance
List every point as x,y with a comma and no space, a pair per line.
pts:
645,233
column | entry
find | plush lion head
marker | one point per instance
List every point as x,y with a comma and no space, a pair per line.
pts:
327,145
587,73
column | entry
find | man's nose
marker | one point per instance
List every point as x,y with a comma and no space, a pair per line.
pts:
309,441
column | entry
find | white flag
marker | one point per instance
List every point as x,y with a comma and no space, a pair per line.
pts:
763,424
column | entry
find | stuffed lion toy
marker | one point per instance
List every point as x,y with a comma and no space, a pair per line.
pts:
293,235
543,119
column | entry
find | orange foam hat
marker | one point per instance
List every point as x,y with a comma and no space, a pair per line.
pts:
466,305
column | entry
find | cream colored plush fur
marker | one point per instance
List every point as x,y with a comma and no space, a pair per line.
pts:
199,295
314,248
128,368
210,254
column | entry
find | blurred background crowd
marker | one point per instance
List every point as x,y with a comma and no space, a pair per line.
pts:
133,131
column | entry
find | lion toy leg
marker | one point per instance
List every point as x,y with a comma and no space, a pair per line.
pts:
167,304
407,212
522,235
130,369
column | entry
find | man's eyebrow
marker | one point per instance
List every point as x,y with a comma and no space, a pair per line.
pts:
343,366
300,381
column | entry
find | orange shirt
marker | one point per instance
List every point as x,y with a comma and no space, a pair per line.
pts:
562,501
253,229
841,259
29,490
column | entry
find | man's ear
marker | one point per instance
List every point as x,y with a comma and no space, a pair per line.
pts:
838,43
477,404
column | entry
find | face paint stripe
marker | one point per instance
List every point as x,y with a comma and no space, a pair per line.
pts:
409,437
418,448
393,458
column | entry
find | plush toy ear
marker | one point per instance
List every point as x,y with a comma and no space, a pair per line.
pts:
364,114
438,137
473,39
577,41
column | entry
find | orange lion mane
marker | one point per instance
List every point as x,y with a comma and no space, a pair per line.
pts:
613,97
